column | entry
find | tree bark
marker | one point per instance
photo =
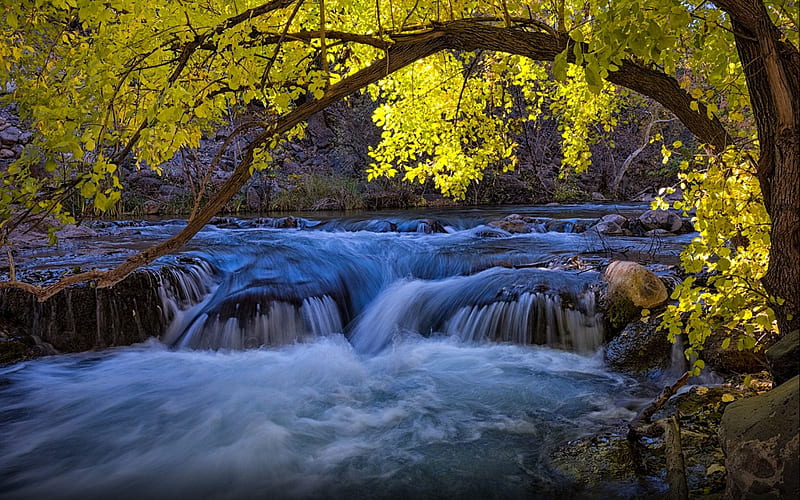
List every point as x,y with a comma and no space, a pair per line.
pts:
772,70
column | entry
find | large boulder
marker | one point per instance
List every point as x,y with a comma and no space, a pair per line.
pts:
760,438
661,219
631,288
784,357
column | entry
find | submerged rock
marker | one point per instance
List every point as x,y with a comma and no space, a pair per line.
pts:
761,442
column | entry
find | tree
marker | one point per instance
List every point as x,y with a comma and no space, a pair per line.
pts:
123,80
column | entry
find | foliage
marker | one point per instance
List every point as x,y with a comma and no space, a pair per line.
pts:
730,254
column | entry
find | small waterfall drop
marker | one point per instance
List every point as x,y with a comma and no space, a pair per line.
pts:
499,305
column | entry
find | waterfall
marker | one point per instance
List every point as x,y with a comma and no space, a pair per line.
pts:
500,305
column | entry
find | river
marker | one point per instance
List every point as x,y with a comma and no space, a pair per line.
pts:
387,355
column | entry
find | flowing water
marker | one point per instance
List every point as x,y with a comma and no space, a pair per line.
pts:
364,357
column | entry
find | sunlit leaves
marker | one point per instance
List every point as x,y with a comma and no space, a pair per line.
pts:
731,252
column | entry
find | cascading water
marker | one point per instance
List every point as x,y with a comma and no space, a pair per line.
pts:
387,367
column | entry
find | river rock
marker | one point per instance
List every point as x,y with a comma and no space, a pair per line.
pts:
151,207
760,438
7,154
513,223
784,357
730,360
611,224
661,219
83,317
598,196
631,288
10,135
639,349
72,231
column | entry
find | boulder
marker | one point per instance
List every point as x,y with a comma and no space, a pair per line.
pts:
639,349
783,357
631,288
661,219
71,231
731,360
611,224
598,196
10,135
760,438
513,223
151,207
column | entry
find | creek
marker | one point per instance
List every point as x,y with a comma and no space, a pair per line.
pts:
382,355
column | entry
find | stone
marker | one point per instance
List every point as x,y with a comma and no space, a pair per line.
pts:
151,207
661,219
71,231
598,196
783,357
658,232
631,288
10,135
760,438
7,154
639,349
513,224
611,224
731,360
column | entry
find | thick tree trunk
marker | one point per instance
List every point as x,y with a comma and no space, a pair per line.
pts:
772,70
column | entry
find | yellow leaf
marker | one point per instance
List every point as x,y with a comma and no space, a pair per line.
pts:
727,398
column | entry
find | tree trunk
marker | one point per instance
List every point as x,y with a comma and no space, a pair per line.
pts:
772,70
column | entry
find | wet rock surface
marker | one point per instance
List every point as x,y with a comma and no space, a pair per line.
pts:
640,349
83,317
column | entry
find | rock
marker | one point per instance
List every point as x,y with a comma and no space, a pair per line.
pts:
661,219
639,348
10,135
760,438
731,360
611,224
25,137
559,226
7,154
171,192
657,232
631,287
72,231
784,357
151,207
252,199
513,223
687,226
598,196
287,222
84,317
